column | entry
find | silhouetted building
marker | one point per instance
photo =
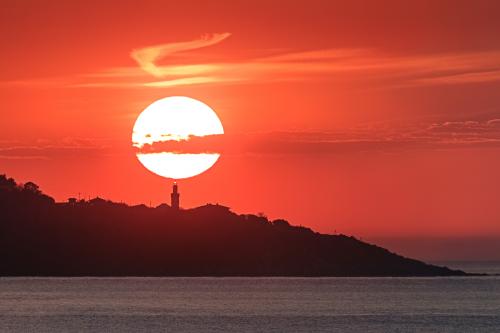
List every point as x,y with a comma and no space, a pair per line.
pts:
174,197
97,202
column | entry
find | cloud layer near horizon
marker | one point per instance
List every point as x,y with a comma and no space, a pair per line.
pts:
374,139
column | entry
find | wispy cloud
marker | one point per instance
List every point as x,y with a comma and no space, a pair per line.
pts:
359,65
460,78
148,57
183,63
54,149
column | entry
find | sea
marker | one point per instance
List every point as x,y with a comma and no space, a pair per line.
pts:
239,304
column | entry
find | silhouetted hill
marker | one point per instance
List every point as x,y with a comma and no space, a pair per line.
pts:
39,237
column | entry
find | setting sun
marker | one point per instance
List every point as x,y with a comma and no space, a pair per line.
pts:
175,118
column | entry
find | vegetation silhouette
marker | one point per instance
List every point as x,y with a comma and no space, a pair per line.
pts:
39,237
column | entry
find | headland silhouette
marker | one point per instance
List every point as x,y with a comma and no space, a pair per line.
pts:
97,237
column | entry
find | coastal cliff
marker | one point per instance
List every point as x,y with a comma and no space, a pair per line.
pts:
39,237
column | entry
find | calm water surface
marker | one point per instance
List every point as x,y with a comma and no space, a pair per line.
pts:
469,304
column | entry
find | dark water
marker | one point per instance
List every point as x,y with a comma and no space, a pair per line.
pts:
470,304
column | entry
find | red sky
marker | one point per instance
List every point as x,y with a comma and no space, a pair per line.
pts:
374,118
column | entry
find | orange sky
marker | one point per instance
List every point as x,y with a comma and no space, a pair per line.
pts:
374,118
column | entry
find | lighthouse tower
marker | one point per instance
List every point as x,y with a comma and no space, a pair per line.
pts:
174,197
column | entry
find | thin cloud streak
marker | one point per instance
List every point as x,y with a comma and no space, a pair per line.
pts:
147,57
361,65
374,139
55,149
154,84
446,135
479,77
367,67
